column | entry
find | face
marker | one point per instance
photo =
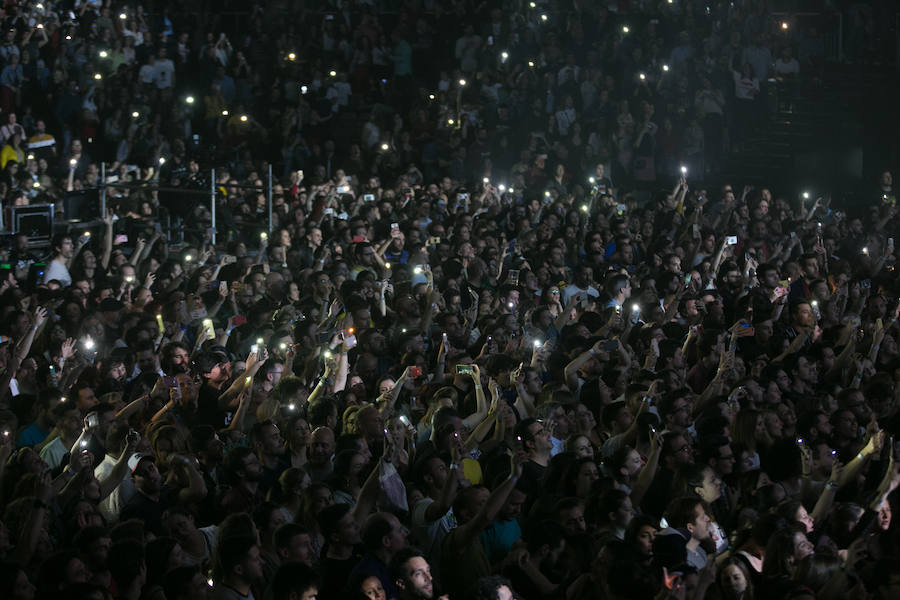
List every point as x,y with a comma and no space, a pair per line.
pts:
644,540
802,547
373,590
711,490
700,527
418,581
733,580
583,448
804,518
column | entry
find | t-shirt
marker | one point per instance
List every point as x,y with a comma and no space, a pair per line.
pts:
499,537
111,506
58,271
148,510
32,435
164,69
430,535
224,592
462,566
54,453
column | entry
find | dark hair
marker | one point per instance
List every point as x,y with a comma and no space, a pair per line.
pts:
293,578
177,582
229,553
398,562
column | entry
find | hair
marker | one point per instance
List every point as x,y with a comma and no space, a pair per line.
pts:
376,527
177,582
293,578
287,532
816,570
688,478
486,587
682,511
736,562
397,567
229,553
779,557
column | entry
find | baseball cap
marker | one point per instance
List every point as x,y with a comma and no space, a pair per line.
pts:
136,459
110,305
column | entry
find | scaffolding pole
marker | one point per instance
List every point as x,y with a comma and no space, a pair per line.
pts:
212,203
270,198
102,190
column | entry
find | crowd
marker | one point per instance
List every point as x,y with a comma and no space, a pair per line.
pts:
480,352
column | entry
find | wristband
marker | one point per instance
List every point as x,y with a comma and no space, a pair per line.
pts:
832,485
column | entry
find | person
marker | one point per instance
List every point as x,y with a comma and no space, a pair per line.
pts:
295,582
470,166
238,568
412,575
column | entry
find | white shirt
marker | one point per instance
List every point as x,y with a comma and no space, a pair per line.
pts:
57,270
147,74
164,71
54,453
112,504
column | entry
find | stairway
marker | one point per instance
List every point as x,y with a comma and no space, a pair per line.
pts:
813,127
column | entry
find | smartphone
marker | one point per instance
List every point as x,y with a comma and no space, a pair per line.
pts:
695,231
514,276
687,280
328,212
172,383
731,240
213,286
434,240
395,227
229,259
368,197
358,239
415,371
621,208
92,420
121,239
405,420
865,284
636,314
350,341
611,345
464,369
462,196
238,320
343,189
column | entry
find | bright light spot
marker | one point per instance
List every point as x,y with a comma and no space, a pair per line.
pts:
292,56
36,184
189,99
584,208
635,308
162,160
123,16
485,181
501,187
449,121
98,76
625,29
806,195
387,265
103,54
431,96
135,114
683,170
592,180
642,76
224,113
543,17
666,68
244,118
384,146
784,24
332,73
531,64
462,82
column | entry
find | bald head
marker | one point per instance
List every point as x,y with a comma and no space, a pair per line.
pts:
321,446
